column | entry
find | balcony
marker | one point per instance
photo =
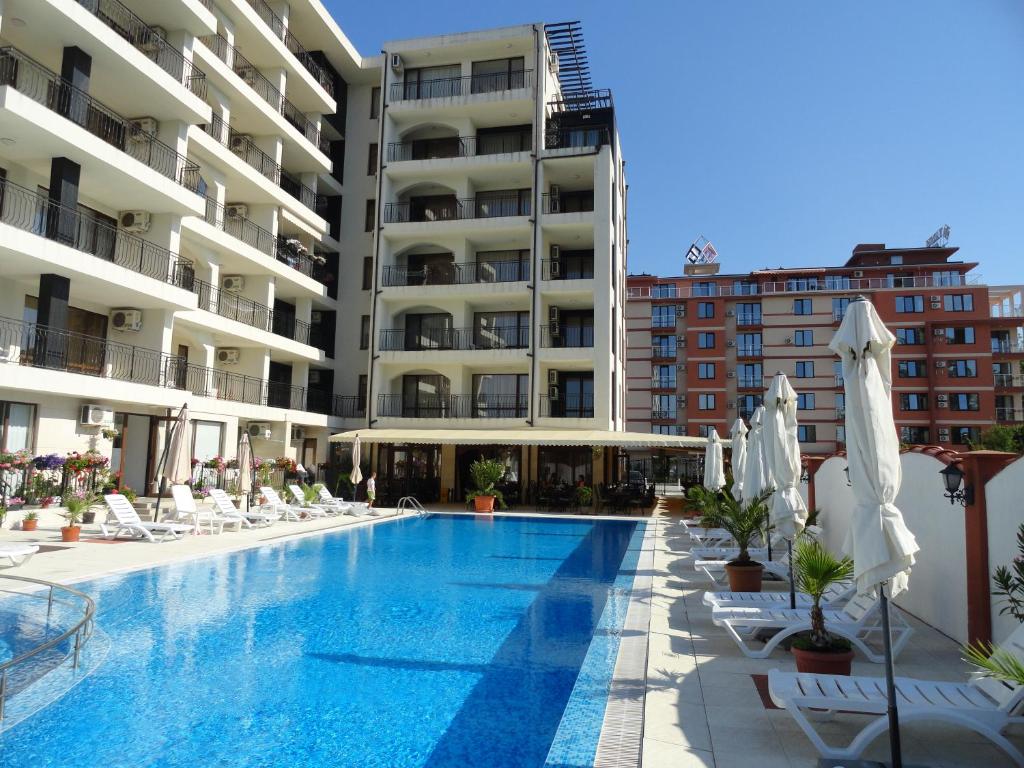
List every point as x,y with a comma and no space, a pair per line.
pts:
450,87
567,406
252,313
1009,415
456,146
38,346
662,352
454,209
1001,347
49,89
567,336
342,406
663,415
840,414
568,202
589,139
409,340
1009,380
150,42
266,90
748,318
838,315
227,219
663,382
308,197
466,273
244,147
749,382
278,27
453,406
839,379
663,322
30,211
569,268
749,350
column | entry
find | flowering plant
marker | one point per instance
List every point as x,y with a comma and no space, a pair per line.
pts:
15,501
46,501
217,462
195,461
48,461
288,465
81,462
110,433
129,493
231,463
16,460
76,505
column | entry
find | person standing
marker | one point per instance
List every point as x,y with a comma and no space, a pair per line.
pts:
371,489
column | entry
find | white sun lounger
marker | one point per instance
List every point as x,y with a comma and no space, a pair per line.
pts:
834,596
316,510
335,502
128,520
13,554
709,537
231,513
280,508
983,705
186,510
857,621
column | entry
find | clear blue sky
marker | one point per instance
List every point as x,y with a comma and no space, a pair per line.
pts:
787,131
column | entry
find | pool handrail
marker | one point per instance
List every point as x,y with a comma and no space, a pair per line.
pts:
411,503
82,629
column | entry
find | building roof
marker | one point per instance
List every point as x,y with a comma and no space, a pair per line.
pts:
627,440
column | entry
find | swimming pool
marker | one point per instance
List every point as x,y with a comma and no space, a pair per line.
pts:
440,641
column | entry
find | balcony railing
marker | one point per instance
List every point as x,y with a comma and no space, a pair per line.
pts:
266,90
278,27
748,318
1009,414
570,268
661,352
32,212
839,379
148,40
750,382
566,203
449,87
663,415
453,406
838,315
567,336
308,197
804,286
452,273
1007,347
575,138
49,89
840,414
501,337
456,146
1009,379
567,406
749,350
469,208
225,218
252,313
244,147
662,382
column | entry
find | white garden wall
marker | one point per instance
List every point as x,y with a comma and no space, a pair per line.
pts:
1003,496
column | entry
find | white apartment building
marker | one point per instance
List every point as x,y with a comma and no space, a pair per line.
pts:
190,214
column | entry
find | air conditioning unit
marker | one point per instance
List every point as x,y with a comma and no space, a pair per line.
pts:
248,74
554,199
681,400
151,44
680,339
233,283
298,433
680,311
681,343
258,429
236,210
126,319
936,299
942,400
732,405
939,332
397,65
552,376
239,143
553,315
858,273
134,221
95,416
731,375
936,305
553,393
943,435
788,340
553,63
730,343
730,313
315,376
316,317
142,128
940,363
229,355
681,368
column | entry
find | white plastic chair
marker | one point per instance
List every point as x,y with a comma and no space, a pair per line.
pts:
128,520
231,514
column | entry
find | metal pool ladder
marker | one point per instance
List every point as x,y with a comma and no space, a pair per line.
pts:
81,631
411,503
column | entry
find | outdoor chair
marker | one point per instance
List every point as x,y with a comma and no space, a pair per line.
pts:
227,510
128,520
13,554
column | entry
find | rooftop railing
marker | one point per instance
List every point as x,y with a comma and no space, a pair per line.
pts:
453,210
252,313
30,211
448,87
500,337
278,27
49,89
150,41
466,273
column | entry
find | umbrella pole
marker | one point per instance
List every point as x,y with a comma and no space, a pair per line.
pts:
890,684
792,586
163,471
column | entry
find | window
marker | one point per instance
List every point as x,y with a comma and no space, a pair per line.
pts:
361,392
911,369
960,335
841,433
743,288
364,332
703,430
947,278
500,395
705,340
664,291
965,435
747,404
706,371
802,306
839,306
370,220
805,369
910,335
706,401
705,309
802,284
16,431
367,272
914,435
906,304
964,401
748,344
962,369
375,103
805,401
663,316
498,75
913,401
371,160
958,302
803,338
748,313
704,289
837,282
511,330
664,346
664,376
663,406
749,375
896,260
206,439
807,433
840,405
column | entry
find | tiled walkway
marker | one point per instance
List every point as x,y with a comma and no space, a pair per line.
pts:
703,709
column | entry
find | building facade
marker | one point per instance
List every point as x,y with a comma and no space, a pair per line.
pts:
201,205
702,347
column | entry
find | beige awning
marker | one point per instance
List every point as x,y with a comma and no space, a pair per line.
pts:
627,440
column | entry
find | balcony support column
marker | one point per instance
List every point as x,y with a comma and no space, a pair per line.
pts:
52,313
76,69
61,224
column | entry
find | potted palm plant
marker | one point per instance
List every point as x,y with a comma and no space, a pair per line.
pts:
75,505
744,522
815,569
486,473
30,521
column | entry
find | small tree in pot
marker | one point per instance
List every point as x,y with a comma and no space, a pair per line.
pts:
486,473
744,522
815,570
76,504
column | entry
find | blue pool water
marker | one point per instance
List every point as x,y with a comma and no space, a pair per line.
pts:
439,641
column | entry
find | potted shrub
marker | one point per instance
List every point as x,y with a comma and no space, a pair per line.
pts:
815,569
15,502
75,505
585,496
486,473
30,521
744,522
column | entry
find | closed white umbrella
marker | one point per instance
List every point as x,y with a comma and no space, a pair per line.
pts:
245,467
176,464
881,545
757,476
739,456
714,465
356,475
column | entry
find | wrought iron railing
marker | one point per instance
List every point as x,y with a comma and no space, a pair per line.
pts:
308,197
570,268
448,87
451,273
663,352
32,212
567,336
149,41
453,209
567,406
252,313
484,406
243,146
278,27
40,84
566,203
457,146
408,340
228,219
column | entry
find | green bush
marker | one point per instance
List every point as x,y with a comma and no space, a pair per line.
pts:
485,474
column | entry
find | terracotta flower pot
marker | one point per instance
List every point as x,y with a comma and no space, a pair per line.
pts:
483,503
70,533
823,662
29,525
744,578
